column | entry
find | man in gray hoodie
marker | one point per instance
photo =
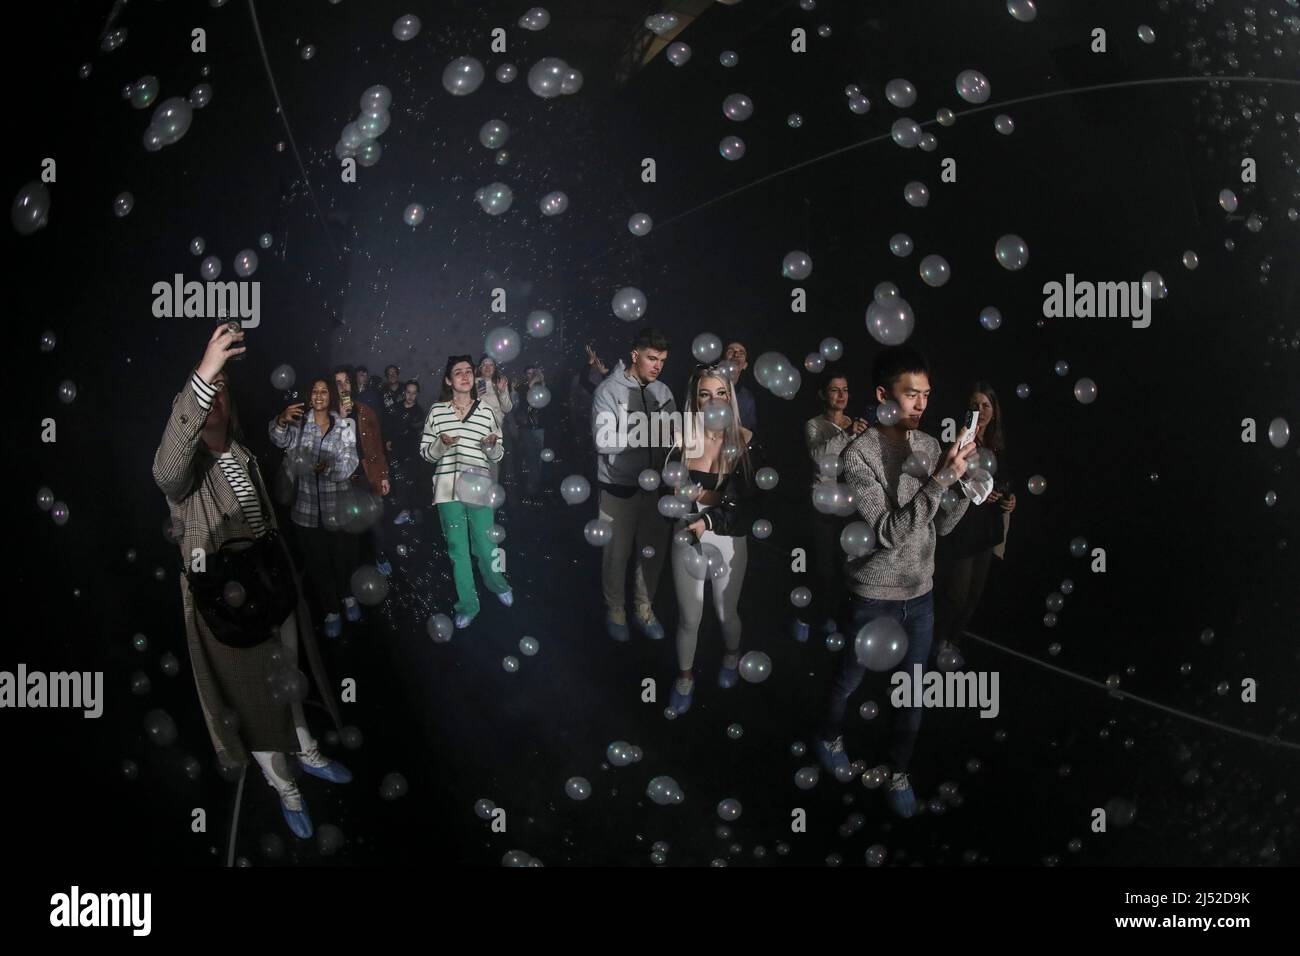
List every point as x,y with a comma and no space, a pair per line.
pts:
903,489
631,416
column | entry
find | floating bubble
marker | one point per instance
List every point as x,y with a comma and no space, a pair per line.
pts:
1012,252
859,104
1022,10
900,93
539,396
900,244
706,348
732,148
1190,259
729,809
554,203
1085,390
629,303
1158,288
735,731
440,628
880,644
934,271
890,323
245,263
973,87
1279,432
1078,547
462,76
797,265
755,667
160,728
413,214
1004,124
801,597
1037,485
640,224
510,664
835,643
805,778
540,323
857,539
495,198
728,58
31,208
766,478
794,121
738,107
916,194
869,710
762,529
679,54
503,344
1146,34
599,532
577,788
664,791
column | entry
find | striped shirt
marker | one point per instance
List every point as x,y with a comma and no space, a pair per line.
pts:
234,470
467,453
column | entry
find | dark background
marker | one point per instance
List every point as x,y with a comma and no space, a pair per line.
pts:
1105,185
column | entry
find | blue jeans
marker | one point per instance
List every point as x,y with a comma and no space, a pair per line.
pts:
917,617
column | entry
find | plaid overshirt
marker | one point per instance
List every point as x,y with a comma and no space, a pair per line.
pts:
316,497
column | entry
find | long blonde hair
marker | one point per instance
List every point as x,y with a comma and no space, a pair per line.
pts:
732,435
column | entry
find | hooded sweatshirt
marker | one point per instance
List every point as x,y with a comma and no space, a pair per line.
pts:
616,400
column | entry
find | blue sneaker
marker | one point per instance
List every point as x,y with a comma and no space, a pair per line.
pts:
616,624
649,626
352,610
901,798
799,630
333,625
331,770
507,598
680,702
728,677
384,568
831,755
294,809
463,621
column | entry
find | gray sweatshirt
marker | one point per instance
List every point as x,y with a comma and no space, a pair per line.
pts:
902,510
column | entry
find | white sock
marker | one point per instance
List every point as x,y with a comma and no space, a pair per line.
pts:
283,784
350,601
684,685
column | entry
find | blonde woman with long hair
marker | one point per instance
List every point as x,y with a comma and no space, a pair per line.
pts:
720,480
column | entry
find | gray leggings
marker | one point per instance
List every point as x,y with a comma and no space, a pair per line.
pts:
726,596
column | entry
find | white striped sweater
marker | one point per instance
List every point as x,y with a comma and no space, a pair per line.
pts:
467,452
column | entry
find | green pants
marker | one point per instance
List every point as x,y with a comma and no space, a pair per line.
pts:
466,529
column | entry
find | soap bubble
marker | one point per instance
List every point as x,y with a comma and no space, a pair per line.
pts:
706,348
1279,432
831,349
648,479
619,753
766,478
857,539
900,244
1228,200
869,710
506,73
1158,288
599,532
814,362
369,587
1146,34
528,646
1190,259
797,264
405,28
495,198
629,303
728,58
1022,10
553,203
1004,124
916,194
991,318
678,53
900,93
859,104
640,224
539,396
805,778
890,323
510,664
1037,485
801,597
440,628
755,667
393,786
888,413
1022,390
973,87
1012,252
463,76
935,271
880,644
540,323
1085,390
762,529
1078,547
732,148
738,107
577,788
729,809
245,263
503,344
664,790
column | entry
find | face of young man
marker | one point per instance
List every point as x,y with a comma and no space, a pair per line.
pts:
363,379
647,363
342,384
391,374
737,353
837,394
912,392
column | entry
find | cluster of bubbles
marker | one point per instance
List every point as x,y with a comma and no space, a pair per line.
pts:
58,510
890,319
664,791
778,374
360,137
170,121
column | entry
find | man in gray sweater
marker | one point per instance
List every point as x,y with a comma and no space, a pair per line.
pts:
903,488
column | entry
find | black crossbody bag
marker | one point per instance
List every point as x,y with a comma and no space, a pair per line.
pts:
248,589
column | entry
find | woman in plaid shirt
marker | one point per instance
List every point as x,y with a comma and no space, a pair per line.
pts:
321,455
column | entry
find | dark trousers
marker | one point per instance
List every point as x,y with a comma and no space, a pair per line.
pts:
830,596
958,587
917,617
529,457
330,558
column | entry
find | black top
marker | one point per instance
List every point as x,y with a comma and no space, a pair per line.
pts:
735,513
706,479
980,528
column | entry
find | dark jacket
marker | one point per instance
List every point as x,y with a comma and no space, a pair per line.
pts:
980,529
737,511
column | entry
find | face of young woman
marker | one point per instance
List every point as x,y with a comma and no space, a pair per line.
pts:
985,405
462,378
488,369
837,394
320,396
412,393
709,389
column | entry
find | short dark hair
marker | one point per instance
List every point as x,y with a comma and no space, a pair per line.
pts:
411,381
362,368
452,362
893,363
394,367
650,338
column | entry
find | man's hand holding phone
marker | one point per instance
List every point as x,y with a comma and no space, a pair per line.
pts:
957,457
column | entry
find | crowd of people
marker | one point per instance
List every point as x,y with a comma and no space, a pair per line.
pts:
363,455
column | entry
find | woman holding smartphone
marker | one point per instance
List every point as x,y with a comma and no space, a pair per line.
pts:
492,388
217,500
720,478
462,438
963,556
321,455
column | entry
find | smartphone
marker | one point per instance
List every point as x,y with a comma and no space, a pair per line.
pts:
234,326
968,429
482,386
